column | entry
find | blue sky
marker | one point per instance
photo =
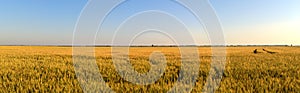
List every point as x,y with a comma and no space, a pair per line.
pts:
50,22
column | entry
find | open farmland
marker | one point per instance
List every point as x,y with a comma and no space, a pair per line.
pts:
50,69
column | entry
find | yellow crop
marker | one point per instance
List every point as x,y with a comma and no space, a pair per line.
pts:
50,69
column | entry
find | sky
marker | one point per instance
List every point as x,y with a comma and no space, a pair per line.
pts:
52,22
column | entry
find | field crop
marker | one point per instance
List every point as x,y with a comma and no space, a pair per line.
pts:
50,69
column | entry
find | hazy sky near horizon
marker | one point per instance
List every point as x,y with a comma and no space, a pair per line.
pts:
51,22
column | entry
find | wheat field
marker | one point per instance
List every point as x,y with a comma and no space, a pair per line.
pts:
50,69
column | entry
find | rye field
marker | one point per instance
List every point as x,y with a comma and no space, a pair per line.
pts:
50,69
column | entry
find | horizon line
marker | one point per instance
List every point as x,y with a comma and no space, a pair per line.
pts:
171,45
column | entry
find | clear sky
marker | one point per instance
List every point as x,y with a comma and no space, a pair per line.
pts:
51,22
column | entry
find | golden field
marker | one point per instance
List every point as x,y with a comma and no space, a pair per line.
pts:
50,69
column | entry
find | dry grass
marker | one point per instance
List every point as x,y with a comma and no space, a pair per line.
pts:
50,69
